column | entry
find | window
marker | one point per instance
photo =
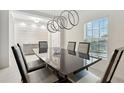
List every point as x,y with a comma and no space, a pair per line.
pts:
96,32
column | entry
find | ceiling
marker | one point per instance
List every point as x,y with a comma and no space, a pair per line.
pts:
34,16
31,17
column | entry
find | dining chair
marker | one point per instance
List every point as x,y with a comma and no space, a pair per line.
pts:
43,75
32,65
84,47
71,52
71,46
88,77
43,46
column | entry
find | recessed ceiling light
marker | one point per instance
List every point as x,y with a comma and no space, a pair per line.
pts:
36,20
23,24
43,27
34,25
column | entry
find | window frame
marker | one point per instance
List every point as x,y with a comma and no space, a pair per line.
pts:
104,27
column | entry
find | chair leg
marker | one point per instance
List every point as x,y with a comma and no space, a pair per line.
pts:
21,81
87,68
108,82
46,66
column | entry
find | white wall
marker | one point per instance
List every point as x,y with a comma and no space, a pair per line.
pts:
30,36
62,39
116,35
4,39
55,39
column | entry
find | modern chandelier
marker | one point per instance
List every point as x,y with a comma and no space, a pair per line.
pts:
66,20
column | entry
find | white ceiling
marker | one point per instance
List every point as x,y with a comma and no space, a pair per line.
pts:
43,14
31,16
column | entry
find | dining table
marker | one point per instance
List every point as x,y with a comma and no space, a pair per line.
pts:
65,61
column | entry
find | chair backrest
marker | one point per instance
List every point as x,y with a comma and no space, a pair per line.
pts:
43,46
84,47
20,63
112,65
23,56
71,46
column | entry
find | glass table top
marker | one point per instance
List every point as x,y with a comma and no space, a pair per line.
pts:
65,61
